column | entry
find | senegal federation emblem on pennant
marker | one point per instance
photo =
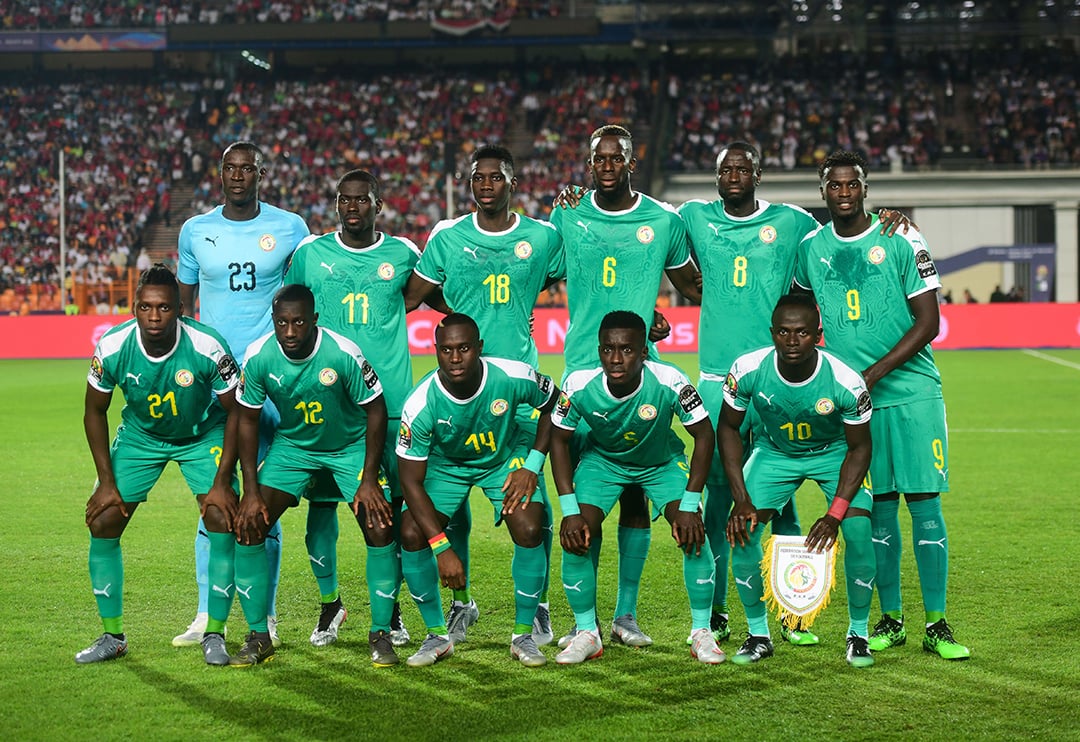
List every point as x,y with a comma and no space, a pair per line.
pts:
798,581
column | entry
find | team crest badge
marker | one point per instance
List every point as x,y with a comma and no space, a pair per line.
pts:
824,406
184,377
645,234
523,249
499,407
876,254
386,271
267,242
327,377
646,412
767,234
798,581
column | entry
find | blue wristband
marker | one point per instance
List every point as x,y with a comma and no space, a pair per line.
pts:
534,462
690,502
569,505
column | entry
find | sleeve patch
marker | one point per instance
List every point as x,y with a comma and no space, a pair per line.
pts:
227,368
544,383
562,409
731,385
370,377
689,399
96,369
925,264
863,404
404,436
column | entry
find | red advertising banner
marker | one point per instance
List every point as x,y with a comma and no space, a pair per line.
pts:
962,326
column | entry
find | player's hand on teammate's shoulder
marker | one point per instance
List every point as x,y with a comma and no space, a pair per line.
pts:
822,534
892,220
570,196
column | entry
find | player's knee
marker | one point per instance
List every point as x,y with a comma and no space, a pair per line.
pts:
411,537
378,535
110,523
527,534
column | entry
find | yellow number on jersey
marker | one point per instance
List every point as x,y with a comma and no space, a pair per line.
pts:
802,431
854,307
739,277
631,438
498,288
311,412
607,276
481,439
156,400
351,300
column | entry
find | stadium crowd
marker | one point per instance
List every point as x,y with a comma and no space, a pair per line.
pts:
107,14
127,142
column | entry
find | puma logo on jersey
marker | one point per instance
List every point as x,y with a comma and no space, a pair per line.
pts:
715,228
245,593
472,251
944,474
276,378
767,399
133,376
745,583
329,268
868,585
827,262
223,590
601,415
211,240
584,225
103,591
447,421
576,587
926,542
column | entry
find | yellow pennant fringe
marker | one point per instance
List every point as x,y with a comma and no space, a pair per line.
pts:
793,620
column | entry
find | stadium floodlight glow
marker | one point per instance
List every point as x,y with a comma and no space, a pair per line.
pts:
257,61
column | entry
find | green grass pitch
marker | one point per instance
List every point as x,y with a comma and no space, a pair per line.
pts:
1012,525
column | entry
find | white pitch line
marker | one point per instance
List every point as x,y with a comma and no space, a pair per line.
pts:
996,431
1052,359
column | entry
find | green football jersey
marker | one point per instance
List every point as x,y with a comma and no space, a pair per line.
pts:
798,418
747,263
320,398
862,285
359,294
614,260
480,432
171,398
494,277
635,429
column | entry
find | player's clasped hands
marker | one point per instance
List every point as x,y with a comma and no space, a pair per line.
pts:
822,534
518,489
574,535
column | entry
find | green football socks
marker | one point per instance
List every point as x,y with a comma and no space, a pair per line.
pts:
579,581
885,527
321,541
107,582
633,549
859,572
382,579
422,576
931,554
252,580
221,578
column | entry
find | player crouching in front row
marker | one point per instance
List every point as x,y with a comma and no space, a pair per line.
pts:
459,430
628,403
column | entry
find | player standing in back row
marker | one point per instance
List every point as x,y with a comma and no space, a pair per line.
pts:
879,309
